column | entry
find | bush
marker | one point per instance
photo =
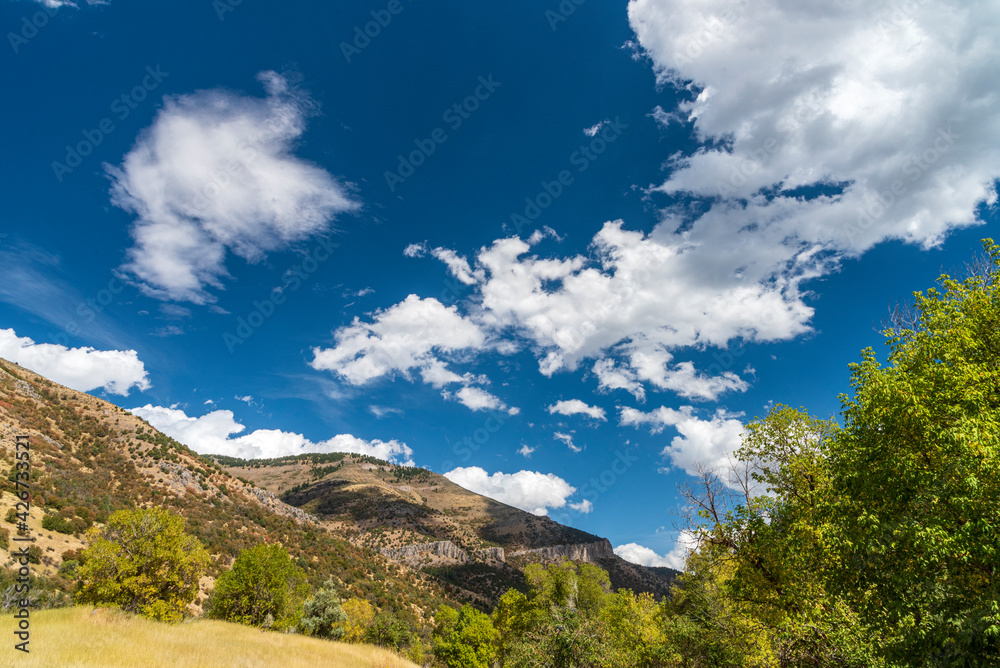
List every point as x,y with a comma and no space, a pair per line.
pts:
143,562
387,630
4,539
322,615
57,523
360,614
264,588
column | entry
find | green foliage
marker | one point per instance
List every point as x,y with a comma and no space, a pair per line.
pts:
465,638
143,562
568,585
264,588
4,538
57,523
387,630
322,615
360,614
917,478
632,628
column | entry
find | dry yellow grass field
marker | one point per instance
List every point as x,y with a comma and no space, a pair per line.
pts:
84,637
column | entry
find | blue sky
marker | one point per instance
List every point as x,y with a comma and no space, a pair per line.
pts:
560,252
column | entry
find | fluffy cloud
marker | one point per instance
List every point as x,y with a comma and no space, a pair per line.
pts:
635,297
215,174
83,369
478,399
212,434
643,556
457,265
577,407
528,490
825,130
401,338
584,507
701,444
887,107
639,554
412,335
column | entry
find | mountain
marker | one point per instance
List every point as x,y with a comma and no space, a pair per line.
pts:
90,458
420,518
406,539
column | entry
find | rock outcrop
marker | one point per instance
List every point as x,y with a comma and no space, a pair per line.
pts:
448,551
441,548
490,555
591,552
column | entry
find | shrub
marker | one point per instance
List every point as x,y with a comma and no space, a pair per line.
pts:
143,562
322,615
387,630
57,523
360,614
264,588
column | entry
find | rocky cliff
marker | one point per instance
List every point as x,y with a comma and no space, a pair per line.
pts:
448,551
421,552
591,552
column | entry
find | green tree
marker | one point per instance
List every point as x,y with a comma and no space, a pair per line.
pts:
767,551
558,622
465,638
387,630
322,615
632,629
360,615
263,588
143,562
917,477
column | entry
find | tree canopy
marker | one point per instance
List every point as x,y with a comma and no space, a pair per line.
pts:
143,562
263,588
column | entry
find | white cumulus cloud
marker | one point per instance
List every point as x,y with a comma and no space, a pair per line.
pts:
643,556
577,407
215,174
213,432
82,369
528,490
701,443
829,127
401,338
568,440
478,399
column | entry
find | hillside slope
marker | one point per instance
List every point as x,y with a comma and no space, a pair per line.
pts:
90,458
84,637
406,539
424,520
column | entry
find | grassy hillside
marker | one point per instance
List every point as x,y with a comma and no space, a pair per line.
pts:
90,458
384,505
84,637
